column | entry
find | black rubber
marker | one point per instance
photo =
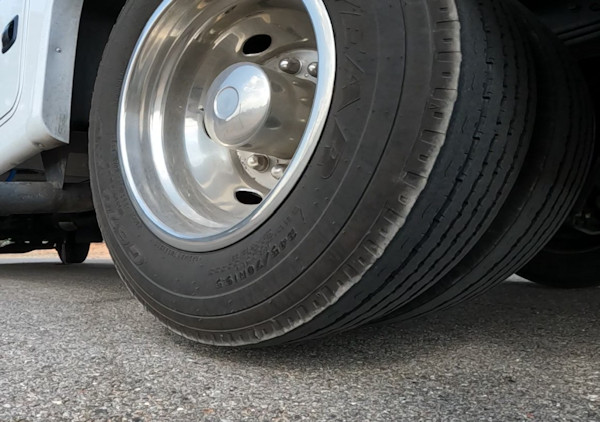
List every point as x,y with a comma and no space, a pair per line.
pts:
72,252
431,119
556,167
570,261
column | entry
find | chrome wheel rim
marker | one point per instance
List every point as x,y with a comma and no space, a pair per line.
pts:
222,106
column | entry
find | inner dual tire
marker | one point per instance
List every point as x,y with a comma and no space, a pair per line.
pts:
571,260
549,183
431,113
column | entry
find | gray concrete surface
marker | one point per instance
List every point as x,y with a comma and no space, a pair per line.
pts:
74,346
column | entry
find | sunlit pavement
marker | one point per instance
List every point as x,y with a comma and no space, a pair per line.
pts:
75,346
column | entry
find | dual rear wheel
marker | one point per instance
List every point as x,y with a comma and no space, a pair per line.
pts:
268,172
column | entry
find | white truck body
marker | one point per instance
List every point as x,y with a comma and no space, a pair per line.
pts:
36,76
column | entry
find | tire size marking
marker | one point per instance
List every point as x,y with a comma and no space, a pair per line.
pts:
238,260
253,267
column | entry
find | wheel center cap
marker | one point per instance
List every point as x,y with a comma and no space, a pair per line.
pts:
238,104
227,103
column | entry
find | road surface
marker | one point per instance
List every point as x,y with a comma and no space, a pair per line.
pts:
74,346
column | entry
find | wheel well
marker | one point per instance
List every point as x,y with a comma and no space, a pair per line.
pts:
97,20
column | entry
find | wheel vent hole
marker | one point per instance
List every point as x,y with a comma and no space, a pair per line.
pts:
257,44
247,197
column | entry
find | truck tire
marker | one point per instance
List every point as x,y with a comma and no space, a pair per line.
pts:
570,261
429,119
72,252
556,166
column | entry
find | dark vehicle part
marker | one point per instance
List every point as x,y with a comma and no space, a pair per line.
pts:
44,198
572,258
26,233
564,264
9,35
71,252
575,22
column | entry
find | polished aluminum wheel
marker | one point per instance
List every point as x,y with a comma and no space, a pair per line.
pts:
222,107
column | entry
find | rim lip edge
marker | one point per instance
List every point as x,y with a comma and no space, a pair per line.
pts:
326,50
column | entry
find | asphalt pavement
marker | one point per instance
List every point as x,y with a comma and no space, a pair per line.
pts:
74,346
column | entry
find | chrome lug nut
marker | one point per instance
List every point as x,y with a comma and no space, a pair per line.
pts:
290,65
278,171
313,69
258,162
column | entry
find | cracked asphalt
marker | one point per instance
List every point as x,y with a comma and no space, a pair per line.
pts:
74,346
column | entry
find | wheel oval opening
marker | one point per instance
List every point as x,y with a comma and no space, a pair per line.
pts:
257,44
247,197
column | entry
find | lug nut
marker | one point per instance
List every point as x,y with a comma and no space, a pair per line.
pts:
278,171
313,69
258,162
290,65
